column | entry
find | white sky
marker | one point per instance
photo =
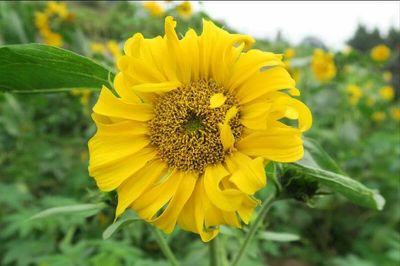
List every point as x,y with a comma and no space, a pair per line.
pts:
332,22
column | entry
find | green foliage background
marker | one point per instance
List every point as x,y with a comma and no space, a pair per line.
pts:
43,160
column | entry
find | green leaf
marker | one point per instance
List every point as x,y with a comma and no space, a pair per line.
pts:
315,156
43,68
349,188
278,236
80,208
127,218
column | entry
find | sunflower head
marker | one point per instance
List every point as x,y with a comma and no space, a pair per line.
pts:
154,8
323,65
354,92
386,93
193,121
380,53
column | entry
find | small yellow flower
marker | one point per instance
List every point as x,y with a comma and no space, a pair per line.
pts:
113,47
289,53
186,136
154,8
52,38
323,65
395,112
386,93
41,20
56,8
387,76
380,53
378,116
354,93
83,94
185,9
97,47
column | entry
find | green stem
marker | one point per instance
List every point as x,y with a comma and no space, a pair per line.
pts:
213,247
164,247
253,228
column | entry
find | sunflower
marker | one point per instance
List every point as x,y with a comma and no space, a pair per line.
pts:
185,9
186,134
380,53
323,65
354,92
154,8
386,93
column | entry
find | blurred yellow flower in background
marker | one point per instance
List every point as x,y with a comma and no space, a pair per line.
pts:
83,94
52,38
380,53
387,76
154,8
395,112
53,11
185,138
185,9
57,8
378,116
386,93
354,93
114,49
289,53
323,65
97,47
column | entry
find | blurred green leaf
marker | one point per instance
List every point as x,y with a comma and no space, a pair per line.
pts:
43,68
127,218
350,188
316,156
278,236
80,208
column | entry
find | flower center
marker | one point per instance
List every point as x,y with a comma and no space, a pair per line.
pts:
185,128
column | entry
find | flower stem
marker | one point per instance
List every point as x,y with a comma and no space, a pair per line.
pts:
253,228
213,247
164,246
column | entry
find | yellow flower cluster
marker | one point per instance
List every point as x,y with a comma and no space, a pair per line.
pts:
111,47
386,93
154,8
395,112
380,53
185,9
43,20
354,93
323,65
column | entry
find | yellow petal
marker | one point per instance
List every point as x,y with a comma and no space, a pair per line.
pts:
134,186
109,148
226,136
157,87
260,83
217,100
246,210
227,199
109,175
275,144
126,127
192,217
254,116
122,87
109,105
248,64
157,196
167,220
247,174
231,114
